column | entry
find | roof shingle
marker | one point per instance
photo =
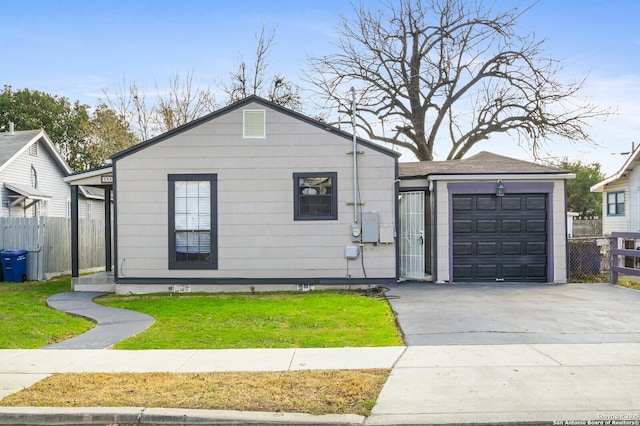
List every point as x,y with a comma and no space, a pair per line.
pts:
481,163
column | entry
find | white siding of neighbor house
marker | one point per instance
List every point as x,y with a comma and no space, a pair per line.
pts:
633,200
617,223
257,236
49,181
558,227
90,208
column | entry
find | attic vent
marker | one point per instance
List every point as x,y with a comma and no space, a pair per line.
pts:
33,149
254,124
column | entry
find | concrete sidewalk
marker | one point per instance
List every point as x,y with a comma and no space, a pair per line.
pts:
532,384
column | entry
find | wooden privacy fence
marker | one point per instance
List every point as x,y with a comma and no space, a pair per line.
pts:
48,242
625,254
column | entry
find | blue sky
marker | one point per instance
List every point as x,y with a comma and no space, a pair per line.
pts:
78,48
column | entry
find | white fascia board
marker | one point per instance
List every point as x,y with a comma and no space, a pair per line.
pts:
599,187
87,175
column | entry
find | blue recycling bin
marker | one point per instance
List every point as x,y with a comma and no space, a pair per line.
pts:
14,265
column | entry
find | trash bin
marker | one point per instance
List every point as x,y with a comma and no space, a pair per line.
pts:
1,268
14,265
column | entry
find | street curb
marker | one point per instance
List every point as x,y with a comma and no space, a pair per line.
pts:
35,416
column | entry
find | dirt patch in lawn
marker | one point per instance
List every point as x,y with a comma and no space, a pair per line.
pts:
312,392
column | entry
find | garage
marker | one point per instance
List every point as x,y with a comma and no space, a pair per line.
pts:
500,238
487,218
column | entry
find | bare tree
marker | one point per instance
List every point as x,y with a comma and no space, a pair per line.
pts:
448,71
182,103
178,104
131,105
251,79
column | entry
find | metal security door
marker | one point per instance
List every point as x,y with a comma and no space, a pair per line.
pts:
412,240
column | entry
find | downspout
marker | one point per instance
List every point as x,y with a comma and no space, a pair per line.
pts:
356,229
356,217
434,229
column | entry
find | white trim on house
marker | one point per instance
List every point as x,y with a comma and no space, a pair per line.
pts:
599,187
77,178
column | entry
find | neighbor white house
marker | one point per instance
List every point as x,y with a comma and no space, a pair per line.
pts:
32,173
621,197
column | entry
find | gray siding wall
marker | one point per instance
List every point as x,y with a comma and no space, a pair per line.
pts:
49,181
257,236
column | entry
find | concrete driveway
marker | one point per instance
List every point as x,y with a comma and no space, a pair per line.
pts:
497,314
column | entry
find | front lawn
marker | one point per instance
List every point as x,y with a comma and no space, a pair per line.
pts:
25,320
207,321
262,320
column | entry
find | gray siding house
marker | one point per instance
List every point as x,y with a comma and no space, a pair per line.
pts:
254,194
258,195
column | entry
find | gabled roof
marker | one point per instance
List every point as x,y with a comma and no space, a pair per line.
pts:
240,104
479,164
14,144
627,167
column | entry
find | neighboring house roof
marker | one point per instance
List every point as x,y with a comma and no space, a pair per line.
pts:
627,167
13,144
27,191
481,163
240,104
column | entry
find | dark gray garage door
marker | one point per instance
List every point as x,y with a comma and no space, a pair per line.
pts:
500,238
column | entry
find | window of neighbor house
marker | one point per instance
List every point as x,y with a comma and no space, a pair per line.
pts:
615,203
193,221
315,196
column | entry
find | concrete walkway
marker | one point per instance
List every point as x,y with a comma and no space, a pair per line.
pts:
454,384
532,384
112,324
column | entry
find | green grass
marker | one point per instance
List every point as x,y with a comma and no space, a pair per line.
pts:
25,320
264,320
630,283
